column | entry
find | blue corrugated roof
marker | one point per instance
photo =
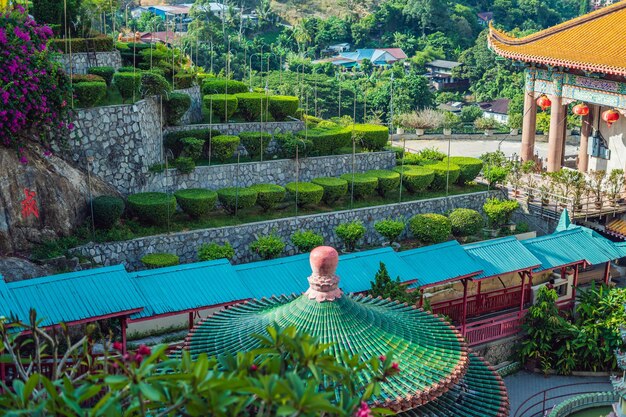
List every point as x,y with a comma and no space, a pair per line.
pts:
501,256
7,305
561,248
76,296
442,262
185,287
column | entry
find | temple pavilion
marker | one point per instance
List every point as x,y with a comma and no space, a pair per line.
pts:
439,375
581,61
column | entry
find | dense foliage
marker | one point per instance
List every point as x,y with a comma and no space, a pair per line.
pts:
390,229
304,193
268,195
175,105
212,251
223,147
334,188
268,247
499,212
196,202
107,210
360,185
306,240
388,181
430,227
415,178
159,260
350,234
383,286
465,222
155,208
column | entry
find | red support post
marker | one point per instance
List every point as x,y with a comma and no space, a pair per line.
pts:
574,284
421,301
521,303
2,372
123,325
464,314
191,313
607,272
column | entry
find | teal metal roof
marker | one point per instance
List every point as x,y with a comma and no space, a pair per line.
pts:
564,222
621,248
440,263
561,248
7,305
186,287
76,296
501,256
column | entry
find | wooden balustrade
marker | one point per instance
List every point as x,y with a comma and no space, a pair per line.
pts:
494,328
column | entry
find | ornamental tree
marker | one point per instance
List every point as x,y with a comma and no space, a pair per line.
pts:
34,90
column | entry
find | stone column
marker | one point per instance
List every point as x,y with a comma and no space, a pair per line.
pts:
529,127
556,138
585,132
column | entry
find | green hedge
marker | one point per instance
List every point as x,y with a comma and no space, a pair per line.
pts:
499,212
469,167
373,137
152,208
252,106
306,240
222,105
192,147
334,188
87,78
154,84
223,86
212,251
363,185
128,84
185,164
327,141
76,45
233,198
441,174
465,222
388,181
430,227
415,178
89,94
105,72
173,140
160,260
128,69
196,202
350,233
268,195
268,247
176,105
307,193
223,147
254,142
184,80
282,107
288,143
390,229
107,210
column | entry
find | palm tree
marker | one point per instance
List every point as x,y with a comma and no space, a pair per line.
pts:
301,35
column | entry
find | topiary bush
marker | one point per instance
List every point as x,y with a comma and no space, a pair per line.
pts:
362,185
430,227
176,105
192,147
173,140
372,137
153,208
196,202
268,247
469,167
499,212
283,107
350,234
223,86
390,229
465,222
160,260
288,144
154,84
128,84
327,141
87,78
233,199
415,178
254,142
184,164
223,147
388,181
306,240
442,171
222,105
88,94
213,251
105,72
268,195
107,210
184,80
334,188
307,193
251,106
98,43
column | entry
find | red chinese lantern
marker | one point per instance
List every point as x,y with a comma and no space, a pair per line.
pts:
581,110
544,102
610,116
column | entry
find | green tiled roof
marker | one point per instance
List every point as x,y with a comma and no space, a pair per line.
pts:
432,355
501,256
481,393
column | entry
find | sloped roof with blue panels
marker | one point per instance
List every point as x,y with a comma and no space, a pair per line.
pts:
7,305
501,256
561,248
441,263
76,296
620,247
182,288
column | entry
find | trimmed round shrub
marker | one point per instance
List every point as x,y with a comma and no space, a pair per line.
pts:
87,78
173,140
192,147
89,93
223,86
196,202
499,212
128,84
107,210
160,260
465,222
184,80
223,105
268,195
306,240
307,193
334,188
350,233
390,229
372,137
442,171
105,72
251,106
152,208
430,227
363,185
415,178
388,181
254,142
213,251
282,107
268,247
327,141
184,164
154,84
469,167
127,69
223,147
234,198
176,105
288,143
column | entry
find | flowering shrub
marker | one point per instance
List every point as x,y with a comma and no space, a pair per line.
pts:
34,90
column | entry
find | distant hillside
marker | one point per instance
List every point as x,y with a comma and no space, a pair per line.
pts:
294,10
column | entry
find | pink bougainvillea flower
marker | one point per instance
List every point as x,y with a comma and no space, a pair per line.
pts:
144,350
363,410
117,346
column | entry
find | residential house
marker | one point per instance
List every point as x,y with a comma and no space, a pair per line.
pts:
497,109
439,74
484,18
381,57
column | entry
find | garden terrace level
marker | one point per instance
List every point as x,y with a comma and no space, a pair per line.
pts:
580,60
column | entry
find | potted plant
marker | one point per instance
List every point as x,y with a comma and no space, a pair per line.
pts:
616,186
515,123
515,177
399,123
424,119
579,187
545,189
531,187
595,184
449,122
486,124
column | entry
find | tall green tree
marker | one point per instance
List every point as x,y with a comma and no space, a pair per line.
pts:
383,286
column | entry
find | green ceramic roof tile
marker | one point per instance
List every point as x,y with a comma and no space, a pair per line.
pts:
501,256
432,355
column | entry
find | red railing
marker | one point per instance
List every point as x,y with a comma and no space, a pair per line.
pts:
494,328
484,303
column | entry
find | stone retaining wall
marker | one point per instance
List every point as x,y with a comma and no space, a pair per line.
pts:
279,171
185,244
80,62
194,114
236,128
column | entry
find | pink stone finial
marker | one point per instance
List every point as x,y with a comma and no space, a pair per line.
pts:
323,282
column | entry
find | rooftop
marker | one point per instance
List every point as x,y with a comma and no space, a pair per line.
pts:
440,63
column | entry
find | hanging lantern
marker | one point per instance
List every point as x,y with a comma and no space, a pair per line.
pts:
544,102
581,110
610,116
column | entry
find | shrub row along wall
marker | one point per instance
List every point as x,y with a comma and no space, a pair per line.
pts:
194,114
185,244
237,128
279,171
80,62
